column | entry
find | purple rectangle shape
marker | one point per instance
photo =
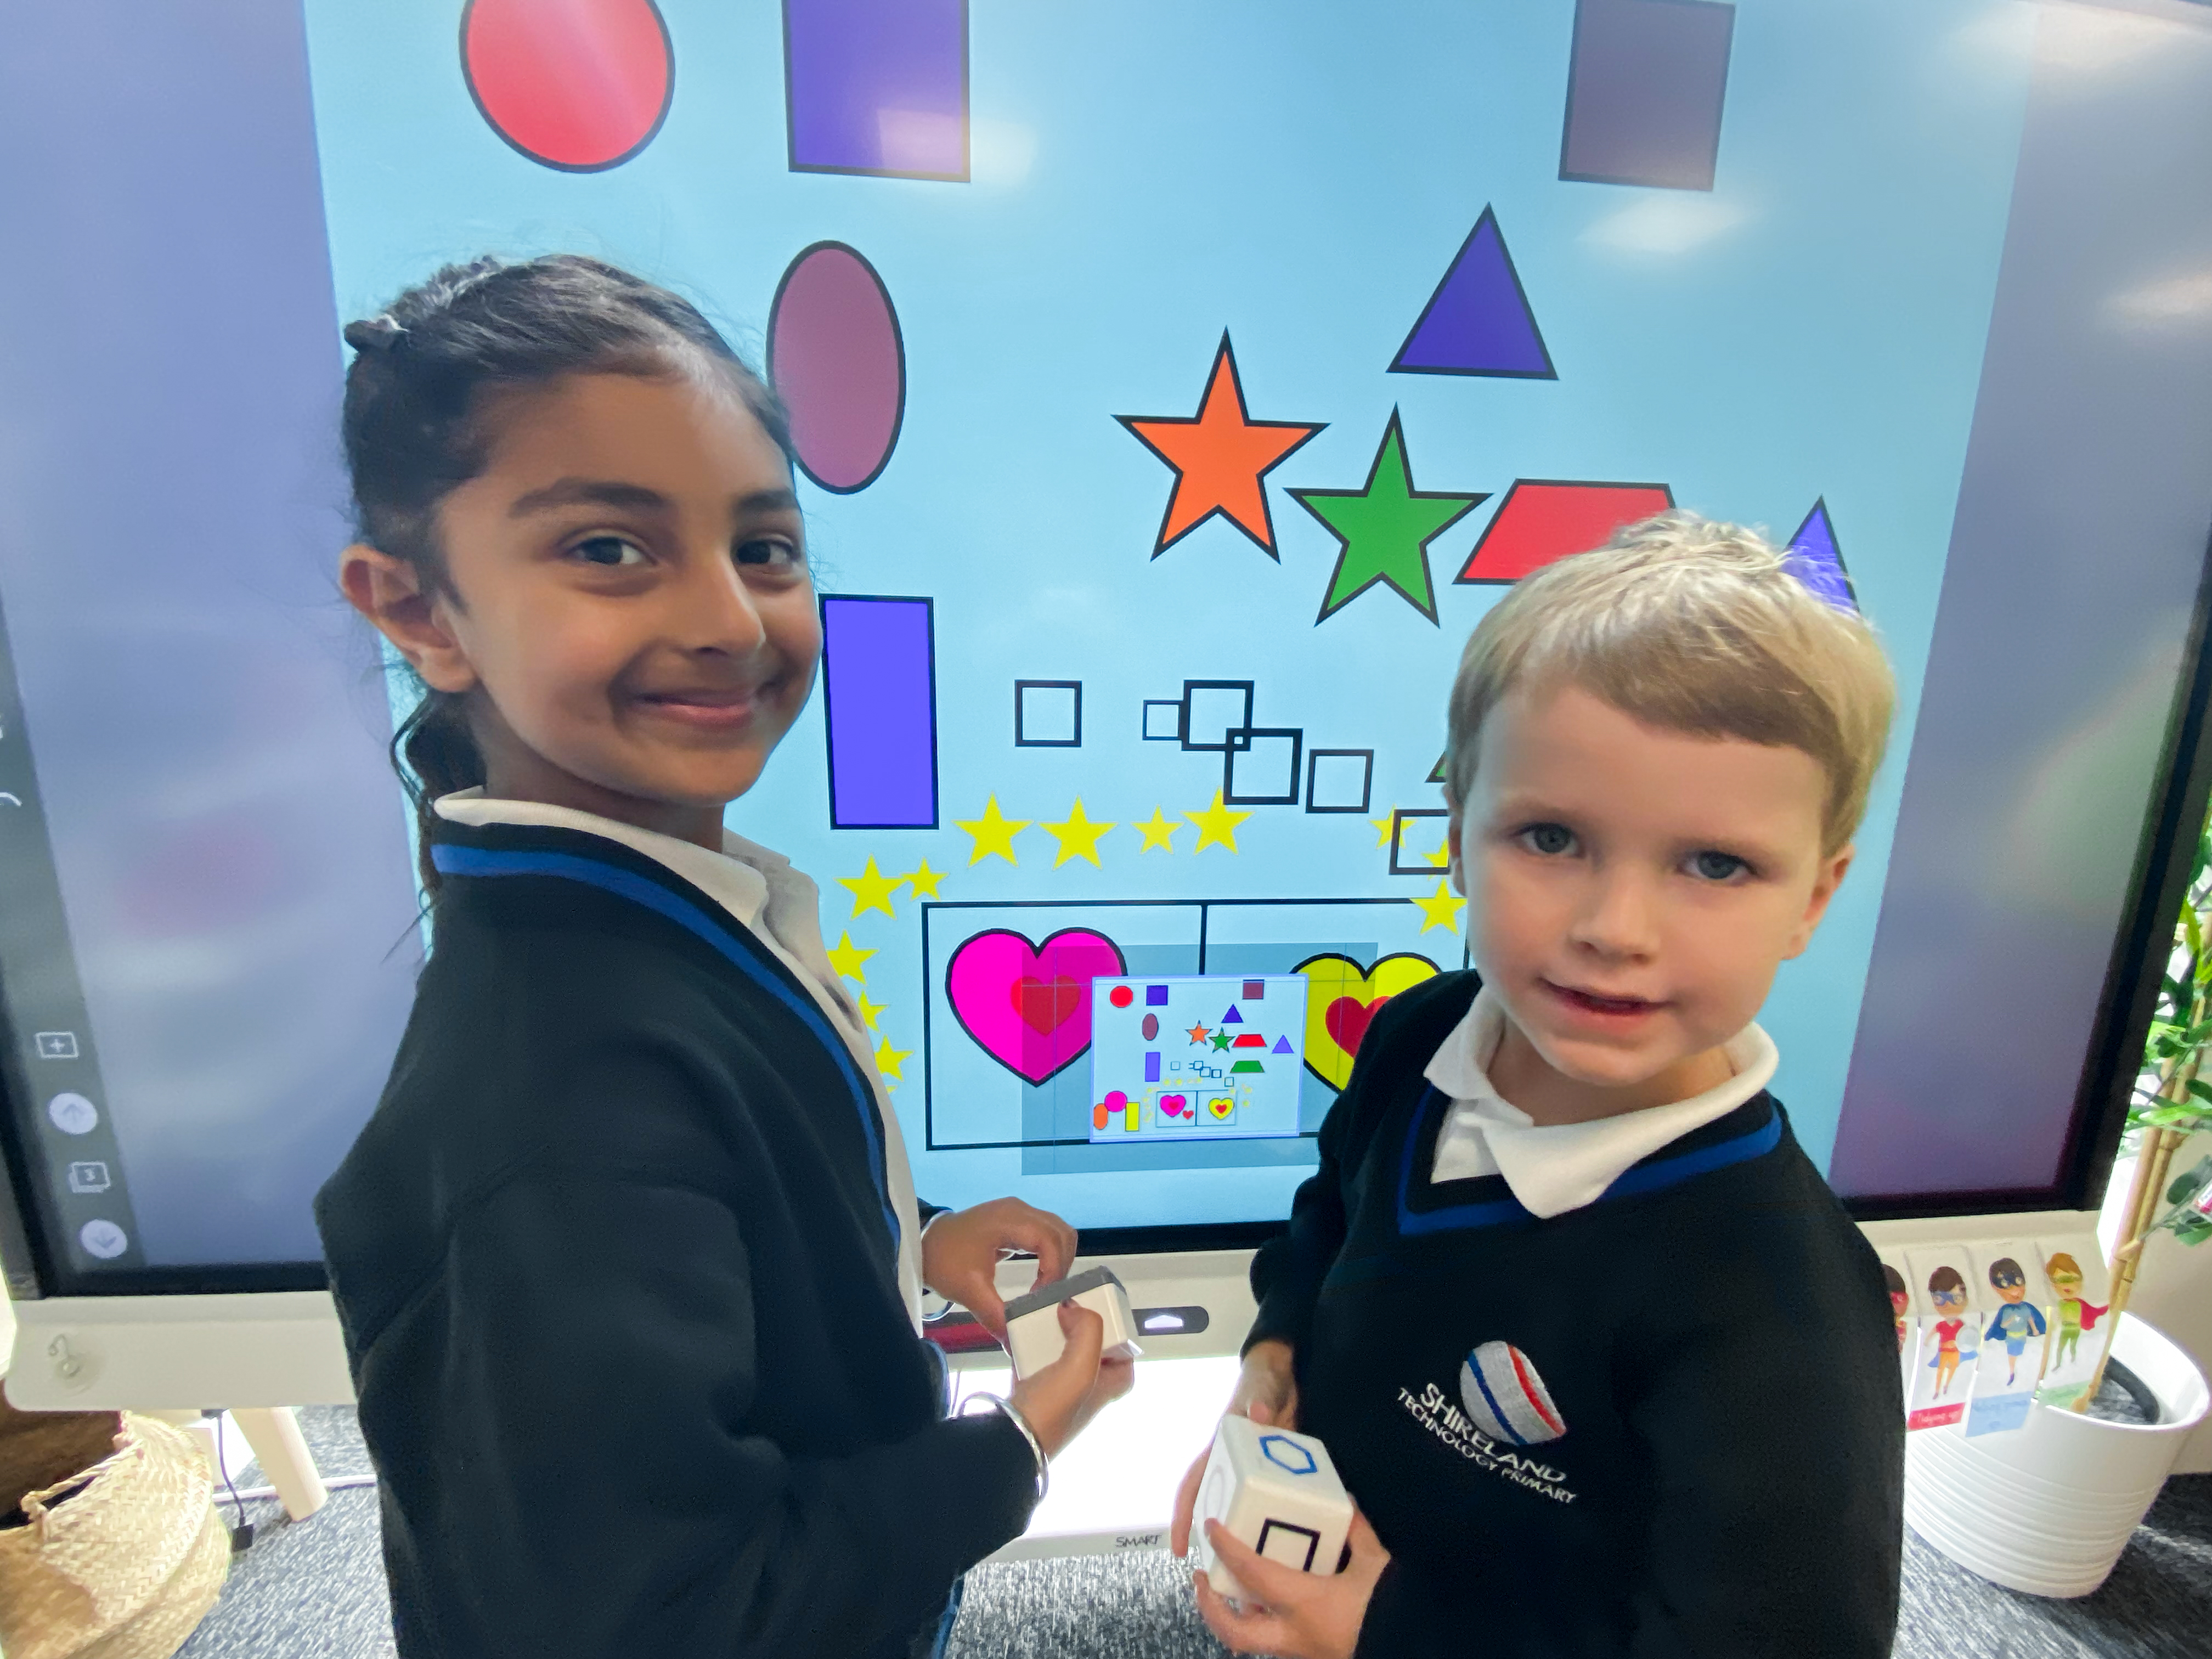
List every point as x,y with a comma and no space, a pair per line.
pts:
877,87
1152,1066
1645,86
879,709
1155,996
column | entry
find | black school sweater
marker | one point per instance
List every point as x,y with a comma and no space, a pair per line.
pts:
618,1282
1665,1424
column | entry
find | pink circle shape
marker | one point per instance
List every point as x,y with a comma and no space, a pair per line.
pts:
1116,1100
836,357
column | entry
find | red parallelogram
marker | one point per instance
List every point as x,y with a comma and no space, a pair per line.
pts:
1542,519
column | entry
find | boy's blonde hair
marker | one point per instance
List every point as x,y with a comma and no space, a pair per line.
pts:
1692,626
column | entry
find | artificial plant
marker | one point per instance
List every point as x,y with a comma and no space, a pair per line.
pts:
2174,1097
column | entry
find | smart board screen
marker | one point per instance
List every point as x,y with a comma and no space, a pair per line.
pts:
1174,388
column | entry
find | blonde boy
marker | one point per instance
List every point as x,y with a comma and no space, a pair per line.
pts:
1603,1360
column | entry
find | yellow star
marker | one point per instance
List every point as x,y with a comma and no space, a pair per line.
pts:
871,890
1442,857
888,1060
1077,836
1382,828
993,834
845,959
1217,825
869,1011
924,880
1157,832
1441,909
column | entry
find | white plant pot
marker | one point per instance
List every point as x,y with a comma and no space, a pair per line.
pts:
2048,1509
2174,1286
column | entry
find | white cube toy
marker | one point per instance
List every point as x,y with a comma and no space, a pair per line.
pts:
1277,1491
1033,1333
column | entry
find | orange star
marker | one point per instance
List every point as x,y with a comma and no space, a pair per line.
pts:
1219,457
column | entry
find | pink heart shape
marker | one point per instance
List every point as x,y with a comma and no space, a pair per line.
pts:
1027,1005
1172,1104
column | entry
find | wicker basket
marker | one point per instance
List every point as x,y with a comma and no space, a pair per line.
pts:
122,1554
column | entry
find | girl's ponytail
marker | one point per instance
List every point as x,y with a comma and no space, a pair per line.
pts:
434,753
414,428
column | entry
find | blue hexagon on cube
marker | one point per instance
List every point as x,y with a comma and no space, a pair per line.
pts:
1287,1454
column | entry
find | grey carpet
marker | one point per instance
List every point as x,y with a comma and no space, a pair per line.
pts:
316,1591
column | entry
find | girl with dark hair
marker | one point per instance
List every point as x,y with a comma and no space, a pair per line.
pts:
629,1259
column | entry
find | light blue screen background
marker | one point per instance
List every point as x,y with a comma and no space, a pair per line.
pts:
1146,175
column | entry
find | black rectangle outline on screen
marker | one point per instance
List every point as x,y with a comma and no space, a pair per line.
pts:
1239,742
930,1143
1314,757
1183,720
1398,818
1024,742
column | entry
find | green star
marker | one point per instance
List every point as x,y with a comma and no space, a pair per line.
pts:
1221,1039
1385,529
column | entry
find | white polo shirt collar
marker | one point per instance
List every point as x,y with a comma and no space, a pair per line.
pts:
1555,1168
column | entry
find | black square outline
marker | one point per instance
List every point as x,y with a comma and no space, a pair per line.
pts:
1231,748
1151,703
828,741
1182,720
1398,834
1312,1538
1367,783
1021,742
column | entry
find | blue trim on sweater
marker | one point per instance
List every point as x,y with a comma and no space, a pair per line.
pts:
1636,1178
453,861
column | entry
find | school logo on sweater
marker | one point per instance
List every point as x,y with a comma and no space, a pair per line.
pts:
1508,1400
1507,1410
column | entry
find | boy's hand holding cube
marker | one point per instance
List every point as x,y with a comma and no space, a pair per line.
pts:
1276,1491
1287,1611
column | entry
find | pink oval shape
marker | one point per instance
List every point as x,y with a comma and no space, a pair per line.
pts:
837,359
1152,1026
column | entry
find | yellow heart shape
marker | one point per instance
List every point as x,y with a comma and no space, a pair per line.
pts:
1341,997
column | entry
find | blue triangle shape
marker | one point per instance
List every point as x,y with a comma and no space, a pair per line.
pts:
1815,559
1282,1046
1478,321
1232,1018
